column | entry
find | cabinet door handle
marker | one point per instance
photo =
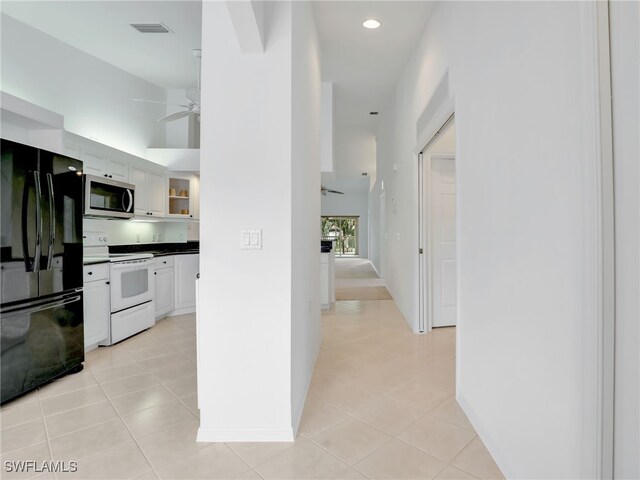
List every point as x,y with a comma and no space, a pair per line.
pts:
108,283
155,273
89,273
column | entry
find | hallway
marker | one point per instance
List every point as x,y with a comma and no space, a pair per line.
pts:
382,400
356,279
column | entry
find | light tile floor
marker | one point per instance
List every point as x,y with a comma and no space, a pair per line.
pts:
380,405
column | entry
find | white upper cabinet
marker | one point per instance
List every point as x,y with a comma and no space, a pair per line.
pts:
156,192
150,189
138,177
102,165
117,169
97,159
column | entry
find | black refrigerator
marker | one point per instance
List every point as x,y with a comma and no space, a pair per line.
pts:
41,315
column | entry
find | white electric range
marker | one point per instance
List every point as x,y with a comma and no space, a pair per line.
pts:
132,287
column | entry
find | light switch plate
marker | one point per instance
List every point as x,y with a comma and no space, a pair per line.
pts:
251,239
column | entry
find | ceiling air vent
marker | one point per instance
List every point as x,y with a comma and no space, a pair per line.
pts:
150,28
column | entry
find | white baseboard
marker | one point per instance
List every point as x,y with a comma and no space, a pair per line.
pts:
245,435
296,415
376,270
495,451
181,311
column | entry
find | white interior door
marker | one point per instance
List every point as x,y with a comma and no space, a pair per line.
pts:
443,240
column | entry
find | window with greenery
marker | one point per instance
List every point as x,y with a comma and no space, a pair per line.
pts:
344,232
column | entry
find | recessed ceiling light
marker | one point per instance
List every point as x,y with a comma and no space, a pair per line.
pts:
371,23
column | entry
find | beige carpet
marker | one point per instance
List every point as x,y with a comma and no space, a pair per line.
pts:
356,279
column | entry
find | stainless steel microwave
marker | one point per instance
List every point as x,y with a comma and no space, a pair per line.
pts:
104,197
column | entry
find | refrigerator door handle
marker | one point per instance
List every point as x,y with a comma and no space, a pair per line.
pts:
38,252
31,264
52,221
38,306
28,265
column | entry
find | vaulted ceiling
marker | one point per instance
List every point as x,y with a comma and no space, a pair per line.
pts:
363,64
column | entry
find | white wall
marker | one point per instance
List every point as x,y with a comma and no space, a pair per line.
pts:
306,95
350,204
246,382
326,148
625,58
525,100
93,96
177,131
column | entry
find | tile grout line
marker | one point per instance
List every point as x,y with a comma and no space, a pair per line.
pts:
46,432
153,467
354,467
130,433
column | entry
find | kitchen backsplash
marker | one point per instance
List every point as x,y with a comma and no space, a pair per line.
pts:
125,232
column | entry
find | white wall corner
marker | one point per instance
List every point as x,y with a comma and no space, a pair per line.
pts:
247,17
326,145
495,451
298,409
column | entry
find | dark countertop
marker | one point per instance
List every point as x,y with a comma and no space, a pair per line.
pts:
94,261
181,252
158,249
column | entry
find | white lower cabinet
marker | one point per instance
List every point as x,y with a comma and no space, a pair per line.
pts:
186,268
164,286
97,305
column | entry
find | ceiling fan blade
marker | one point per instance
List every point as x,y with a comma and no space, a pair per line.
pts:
156,101
174,116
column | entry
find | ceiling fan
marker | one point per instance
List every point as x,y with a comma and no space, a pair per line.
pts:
193,94
325,190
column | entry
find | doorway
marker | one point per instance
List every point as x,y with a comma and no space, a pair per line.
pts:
437,231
